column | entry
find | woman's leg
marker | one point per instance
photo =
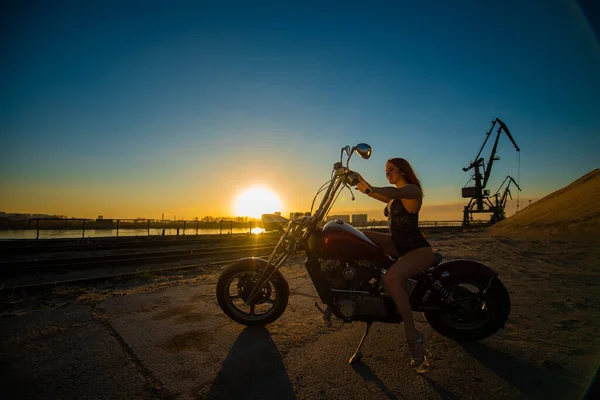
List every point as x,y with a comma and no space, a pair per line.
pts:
409,265
384,241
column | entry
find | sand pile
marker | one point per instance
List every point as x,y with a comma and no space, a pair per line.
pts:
571,212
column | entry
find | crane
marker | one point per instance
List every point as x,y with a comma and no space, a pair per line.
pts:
499,213
480,197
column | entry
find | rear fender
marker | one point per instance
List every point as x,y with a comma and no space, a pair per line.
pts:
463,267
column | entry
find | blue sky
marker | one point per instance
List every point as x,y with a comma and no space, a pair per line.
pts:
128,108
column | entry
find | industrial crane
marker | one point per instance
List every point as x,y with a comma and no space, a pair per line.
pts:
480,197
499,213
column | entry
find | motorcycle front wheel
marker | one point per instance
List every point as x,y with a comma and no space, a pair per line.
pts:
481,307
235,285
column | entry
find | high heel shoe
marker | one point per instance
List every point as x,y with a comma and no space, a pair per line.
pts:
419,364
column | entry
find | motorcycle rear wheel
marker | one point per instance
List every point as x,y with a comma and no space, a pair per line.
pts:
236,283
472,290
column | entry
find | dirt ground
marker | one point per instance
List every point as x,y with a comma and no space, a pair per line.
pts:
165,337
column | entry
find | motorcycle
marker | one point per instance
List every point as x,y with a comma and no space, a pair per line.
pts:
461,299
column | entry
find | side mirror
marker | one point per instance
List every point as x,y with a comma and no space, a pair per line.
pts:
363,150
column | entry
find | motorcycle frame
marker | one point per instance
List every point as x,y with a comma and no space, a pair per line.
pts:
299,229
302,232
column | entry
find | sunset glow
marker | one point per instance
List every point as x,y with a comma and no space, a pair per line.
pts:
256,201
175,115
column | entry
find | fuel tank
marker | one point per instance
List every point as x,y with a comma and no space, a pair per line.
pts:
344,242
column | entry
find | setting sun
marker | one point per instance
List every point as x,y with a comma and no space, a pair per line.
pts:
256,201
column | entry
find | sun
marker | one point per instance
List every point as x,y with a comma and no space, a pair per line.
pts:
256,201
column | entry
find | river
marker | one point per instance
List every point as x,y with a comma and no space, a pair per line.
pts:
97,233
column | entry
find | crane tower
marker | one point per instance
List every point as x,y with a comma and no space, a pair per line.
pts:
480,199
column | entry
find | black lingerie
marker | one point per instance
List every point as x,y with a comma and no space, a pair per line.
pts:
404,227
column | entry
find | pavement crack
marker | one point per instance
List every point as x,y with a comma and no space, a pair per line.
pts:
154,385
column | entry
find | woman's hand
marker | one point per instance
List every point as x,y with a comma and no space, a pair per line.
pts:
362,185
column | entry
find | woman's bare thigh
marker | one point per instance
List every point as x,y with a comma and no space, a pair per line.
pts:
384,241
413,262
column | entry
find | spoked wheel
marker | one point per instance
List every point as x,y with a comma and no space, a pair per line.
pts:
469,310
480,308
237,282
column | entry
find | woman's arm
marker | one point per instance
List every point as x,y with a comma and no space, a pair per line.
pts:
364,187
409,191
378,197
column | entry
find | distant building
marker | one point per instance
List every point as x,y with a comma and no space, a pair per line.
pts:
359,219
345,218
273,222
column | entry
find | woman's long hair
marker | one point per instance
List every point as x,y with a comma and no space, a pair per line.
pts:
405,167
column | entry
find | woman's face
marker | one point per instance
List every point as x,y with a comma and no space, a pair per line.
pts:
392,173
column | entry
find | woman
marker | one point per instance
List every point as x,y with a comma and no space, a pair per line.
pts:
405,241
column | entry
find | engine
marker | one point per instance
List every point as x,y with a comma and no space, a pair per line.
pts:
354,275
355,285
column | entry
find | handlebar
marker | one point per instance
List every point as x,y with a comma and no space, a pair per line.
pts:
342,176
352,178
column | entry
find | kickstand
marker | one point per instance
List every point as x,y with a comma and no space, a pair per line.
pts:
326,314
356,358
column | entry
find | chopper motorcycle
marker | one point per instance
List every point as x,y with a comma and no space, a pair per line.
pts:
461,299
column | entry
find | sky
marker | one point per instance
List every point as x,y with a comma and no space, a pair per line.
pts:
137,109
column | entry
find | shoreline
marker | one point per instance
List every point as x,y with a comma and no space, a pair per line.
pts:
190,235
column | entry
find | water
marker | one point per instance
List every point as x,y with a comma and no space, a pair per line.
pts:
97,233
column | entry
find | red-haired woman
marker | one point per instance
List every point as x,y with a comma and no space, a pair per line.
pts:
404,241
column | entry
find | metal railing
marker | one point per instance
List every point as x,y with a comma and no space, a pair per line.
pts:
85,224
224,226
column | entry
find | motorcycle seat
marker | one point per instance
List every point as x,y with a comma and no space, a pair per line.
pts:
437,259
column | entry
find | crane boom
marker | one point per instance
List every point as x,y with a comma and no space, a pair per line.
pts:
488,169
503,125
478,160
506,190
479,195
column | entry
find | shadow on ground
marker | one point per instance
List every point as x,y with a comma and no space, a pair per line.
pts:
532,381
442,391
253,369
369,376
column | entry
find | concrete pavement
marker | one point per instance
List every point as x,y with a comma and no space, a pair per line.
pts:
175,342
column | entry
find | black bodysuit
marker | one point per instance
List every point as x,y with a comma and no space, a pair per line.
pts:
404,227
